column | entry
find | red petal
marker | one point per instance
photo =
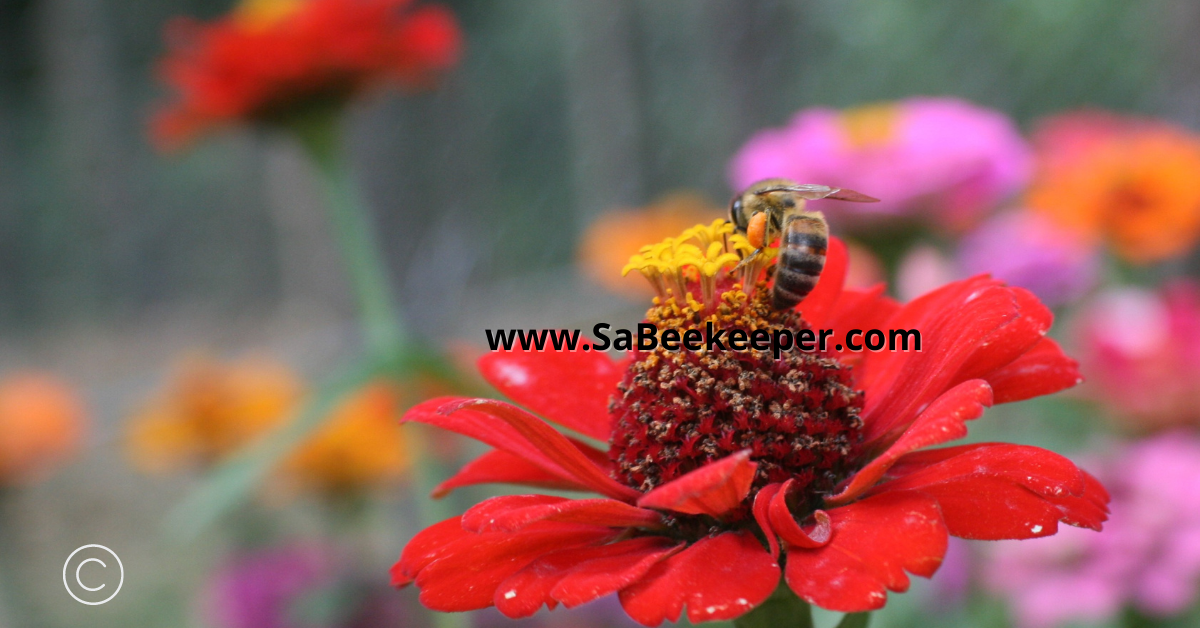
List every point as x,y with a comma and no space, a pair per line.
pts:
967,326
943,421
622,563
1088,511
857,309
427,546
714,489
505,426
999,491
601,576
1042,370
509,513
570,388
816,307
1010,341
874,542
465,577
762,515
501,467
784,524
717,578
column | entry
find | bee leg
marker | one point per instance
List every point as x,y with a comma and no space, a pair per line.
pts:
746,260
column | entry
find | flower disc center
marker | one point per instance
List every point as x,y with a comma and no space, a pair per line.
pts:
676,411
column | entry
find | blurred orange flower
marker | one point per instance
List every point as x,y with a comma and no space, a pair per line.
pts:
1132,183
271,58
211,409
619,234
359,447
41,425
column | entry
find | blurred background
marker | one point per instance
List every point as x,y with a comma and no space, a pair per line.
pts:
119,264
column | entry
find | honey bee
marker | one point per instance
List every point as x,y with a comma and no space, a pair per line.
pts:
776,208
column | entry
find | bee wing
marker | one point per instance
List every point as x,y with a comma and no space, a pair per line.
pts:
813,192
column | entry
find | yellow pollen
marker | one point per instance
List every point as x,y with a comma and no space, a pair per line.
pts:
263,14
870,126
701,254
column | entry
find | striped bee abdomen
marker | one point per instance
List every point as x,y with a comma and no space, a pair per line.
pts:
801,259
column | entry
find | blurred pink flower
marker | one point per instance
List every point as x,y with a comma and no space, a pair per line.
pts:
922,270
1140,352
269,588
1020,248
943,159
952,583
1148,555
1028,250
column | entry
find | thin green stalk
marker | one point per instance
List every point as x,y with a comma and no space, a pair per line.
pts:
14,609
855,620
382,325
782,610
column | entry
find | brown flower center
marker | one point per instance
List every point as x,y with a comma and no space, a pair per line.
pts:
676,411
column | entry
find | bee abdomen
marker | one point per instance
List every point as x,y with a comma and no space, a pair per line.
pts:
801,260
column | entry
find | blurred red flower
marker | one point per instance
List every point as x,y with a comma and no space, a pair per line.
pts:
271,58
729,469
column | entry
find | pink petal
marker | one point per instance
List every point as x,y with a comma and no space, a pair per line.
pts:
943,421
718,578
570,388
874,542
714,489
509,513
505,426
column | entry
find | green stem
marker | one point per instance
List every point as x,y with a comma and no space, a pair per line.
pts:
320,134
14,610
782,610
382,326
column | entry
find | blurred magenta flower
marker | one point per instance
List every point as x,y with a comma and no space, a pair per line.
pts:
258,589
1028,250
297,586
1140,352
1019,248
1148,555
943,159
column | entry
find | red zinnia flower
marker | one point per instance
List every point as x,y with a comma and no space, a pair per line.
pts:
729,469
269,58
